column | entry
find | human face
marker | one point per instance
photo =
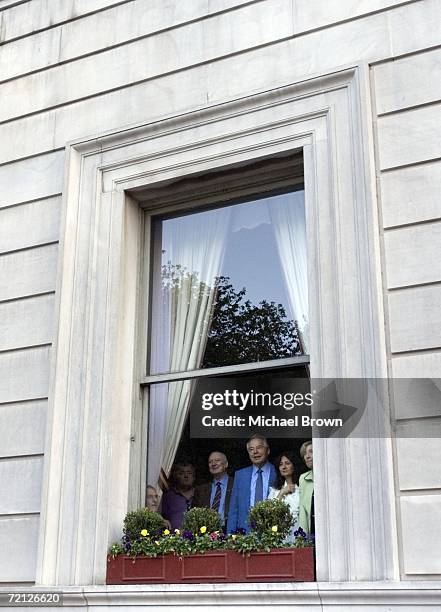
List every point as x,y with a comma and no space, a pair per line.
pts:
152,499
308,457
286,468
185,477
217,464
258,452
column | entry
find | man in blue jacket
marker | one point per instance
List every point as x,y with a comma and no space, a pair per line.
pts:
251,484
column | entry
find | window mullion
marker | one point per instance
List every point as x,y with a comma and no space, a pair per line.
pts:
225,370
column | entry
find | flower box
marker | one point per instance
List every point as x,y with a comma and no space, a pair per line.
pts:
278,565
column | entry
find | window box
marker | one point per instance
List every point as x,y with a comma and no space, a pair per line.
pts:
278,565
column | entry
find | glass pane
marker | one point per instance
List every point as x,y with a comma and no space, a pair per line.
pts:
230,285
172,406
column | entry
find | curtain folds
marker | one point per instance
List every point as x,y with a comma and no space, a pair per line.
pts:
192,253
288,220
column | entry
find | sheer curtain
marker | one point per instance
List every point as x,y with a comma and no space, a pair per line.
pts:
192,251
287,216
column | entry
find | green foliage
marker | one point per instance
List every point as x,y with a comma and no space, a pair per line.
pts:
183,543
253,542
142,518
205,519
116,549
271,517
243,332
177,543
244,543
240,331
304,540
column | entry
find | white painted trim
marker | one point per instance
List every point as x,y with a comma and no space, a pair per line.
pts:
93,399
375,596
226,370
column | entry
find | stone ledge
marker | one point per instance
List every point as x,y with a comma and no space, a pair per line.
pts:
378,596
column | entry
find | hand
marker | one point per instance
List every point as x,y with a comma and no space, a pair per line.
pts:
287,489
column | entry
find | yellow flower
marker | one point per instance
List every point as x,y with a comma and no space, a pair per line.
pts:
274,528
233,537
177,532
203,529
144,532
166,532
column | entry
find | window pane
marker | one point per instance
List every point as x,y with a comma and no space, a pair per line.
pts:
169,434
230,285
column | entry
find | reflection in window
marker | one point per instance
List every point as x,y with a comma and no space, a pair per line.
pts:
229,287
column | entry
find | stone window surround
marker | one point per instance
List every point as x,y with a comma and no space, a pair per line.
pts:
94,401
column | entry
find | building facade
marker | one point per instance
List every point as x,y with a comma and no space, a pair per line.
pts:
106,106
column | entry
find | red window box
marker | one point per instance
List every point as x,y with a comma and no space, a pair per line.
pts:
278,565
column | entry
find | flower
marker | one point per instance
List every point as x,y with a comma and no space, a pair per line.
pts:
187,535
300,533
233,536
166,532
177,532
213,536
203,529
274,528
144,532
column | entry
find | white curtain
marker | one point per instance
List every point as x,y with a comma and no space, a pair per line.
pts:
192,253
287,214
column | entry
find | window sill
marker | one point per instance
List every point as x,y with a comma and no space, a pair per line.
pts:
375,596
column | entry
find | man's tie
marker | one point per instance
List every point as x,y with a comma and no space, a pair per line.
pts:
259,487
217,497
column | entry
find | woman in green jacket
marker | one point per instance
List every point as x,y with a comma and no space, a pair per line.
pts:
306,486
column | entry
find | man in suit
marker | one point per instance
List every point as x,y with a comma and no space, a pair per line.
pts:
251,484
215,494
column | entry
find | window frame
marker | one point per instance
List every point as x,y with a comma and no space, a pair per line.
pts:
94,384
235,185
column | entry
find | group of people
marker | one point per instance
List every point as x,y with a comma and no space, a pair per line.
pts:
232,497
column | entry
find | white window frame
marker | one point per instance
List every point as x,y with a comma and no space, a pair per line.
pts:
246,183
94,399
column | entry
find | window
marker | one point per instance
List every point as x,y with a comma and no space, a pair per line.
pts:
95,412
229,296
